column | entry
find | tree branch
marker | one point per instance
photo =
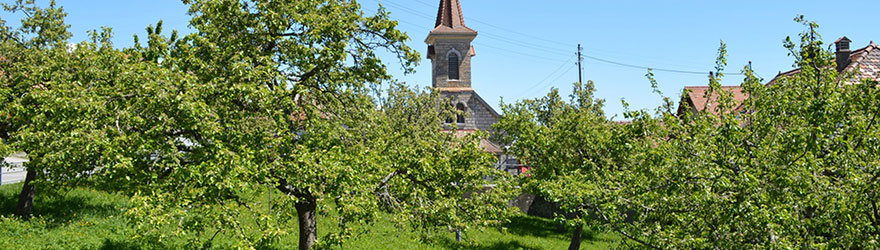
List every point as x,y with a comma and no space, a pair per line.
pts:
618,230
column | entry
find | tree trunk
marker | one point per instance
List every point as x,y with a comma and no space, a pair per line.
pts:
576,238
26,198
307,215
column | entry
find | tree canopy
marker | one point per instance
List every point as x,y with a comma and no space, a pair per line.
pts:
794,166
291,100
265,97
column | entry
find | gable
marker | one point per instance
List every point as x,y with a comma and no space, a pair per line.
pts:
696,98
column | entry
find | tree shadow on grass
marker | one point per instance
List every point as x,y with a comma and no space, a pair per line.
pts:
8,199
120,245
58,209
545,228
539,227
452,244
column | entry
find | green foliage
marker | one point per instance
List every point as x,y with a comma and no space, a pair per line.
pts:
794,166
439,179
574,151
265,95
42,92
286,88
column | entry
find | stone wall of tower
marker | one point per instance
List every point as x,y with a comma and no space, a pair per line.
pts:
441,64
479,116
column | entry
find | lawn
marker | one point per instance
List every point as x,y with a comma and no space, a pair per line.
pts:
88,219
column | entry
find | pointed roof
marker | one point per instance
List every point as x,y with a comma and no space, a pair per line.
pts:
450,19
697,99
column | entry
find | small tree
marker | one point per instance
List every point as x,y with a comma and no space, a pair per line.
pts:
283,100
577,155
436,179
27,55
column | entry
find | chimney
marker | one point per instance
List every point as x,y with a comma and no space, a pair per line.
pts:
843,53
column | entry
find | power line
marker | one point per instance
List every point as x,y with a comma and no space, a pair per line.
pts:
525,44
488,35
529,89
497,48
506,39
408,9
653,69
505,29
538,47
517,52
557,78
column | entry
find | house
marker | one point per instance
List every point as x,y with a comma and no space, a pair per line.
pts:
12,169
863,62
695,99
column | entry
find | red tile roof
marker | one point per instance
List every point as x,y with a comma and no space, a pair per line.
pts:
698,100
781,74
866,60
450,19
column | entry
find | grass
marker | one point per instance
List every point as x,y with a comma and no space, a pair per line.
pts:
88,219
79,219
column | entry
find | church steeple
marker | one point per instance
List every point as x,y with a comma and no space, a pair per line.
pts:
449,47
450,19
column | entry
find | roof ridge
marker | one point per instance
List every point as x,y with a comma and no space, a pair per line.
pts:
859,55
871,45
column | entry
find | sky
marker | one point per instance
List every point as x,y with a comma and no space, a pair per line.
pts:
525,48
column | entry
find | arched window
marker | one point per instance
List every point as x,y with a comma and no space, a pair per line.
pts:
461,111
453,66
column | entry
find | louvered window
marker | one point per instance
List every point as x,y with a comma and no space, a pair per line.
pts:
453,66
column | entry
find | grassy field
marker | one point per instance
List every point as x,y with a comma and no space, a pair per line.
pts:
88,219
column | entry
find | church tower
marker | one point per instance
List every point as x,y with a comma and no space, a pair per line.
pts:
450,49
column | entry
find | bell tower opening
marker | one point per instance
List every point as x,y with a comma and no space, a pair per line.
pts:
453,66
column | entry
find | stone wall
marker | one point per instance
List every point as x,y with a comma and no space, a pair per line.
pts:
479,117
441,64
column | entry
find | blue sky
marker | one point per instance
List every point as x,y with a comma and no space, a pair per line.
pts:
527,47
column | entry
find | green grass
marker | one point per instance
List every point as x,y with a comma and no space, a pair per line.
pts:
88,219
79,219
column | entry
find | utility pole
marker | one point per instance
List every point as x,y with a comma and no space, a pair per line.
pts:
580,66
